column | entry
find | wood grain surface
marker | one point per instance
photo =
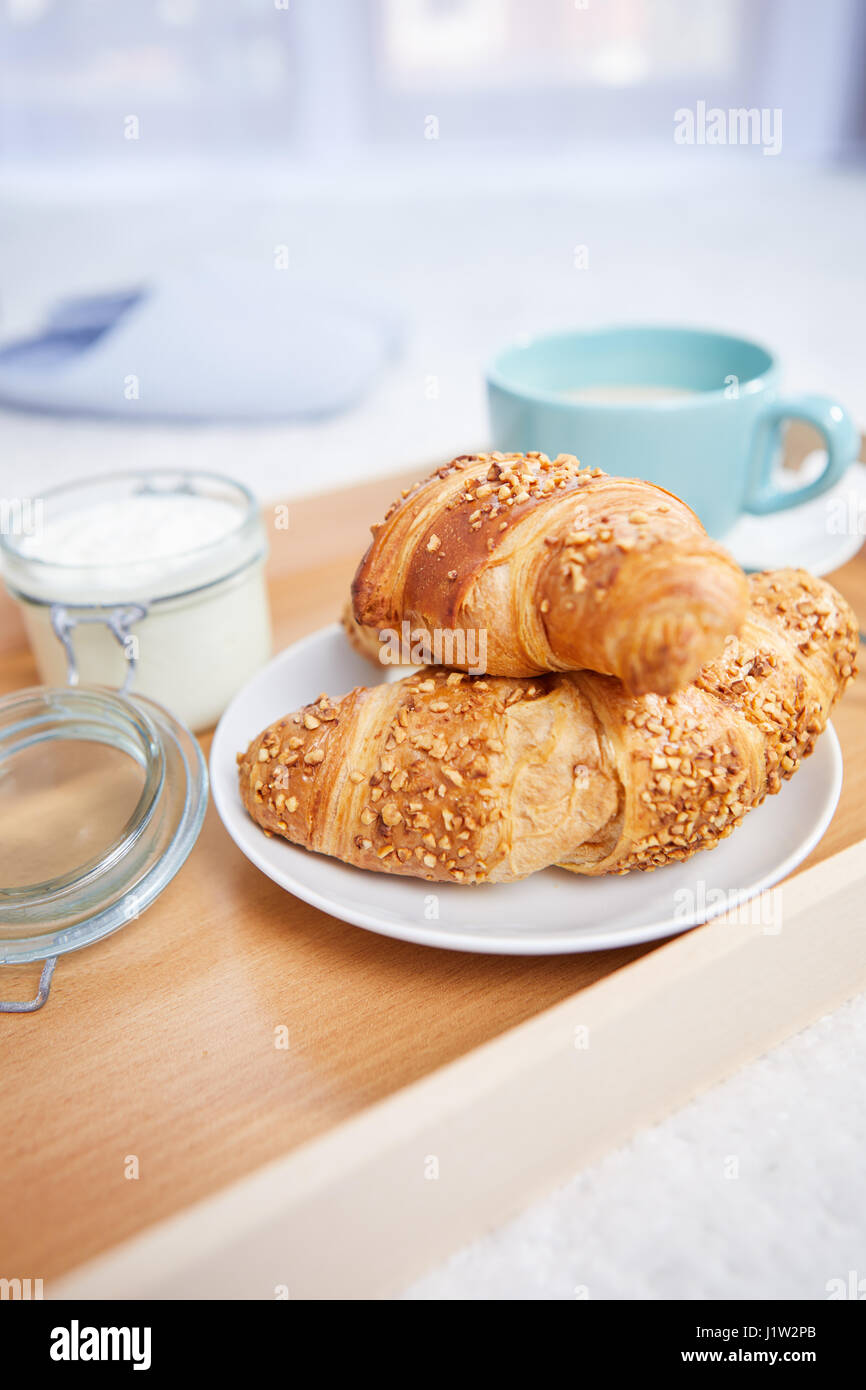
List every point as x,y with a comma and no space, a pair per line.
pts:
160,1042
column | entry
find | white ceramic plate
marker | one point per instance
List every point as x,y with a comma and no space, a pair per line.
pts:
550,913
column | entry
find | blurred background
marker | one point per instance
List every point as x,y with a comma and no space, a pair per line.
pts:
453,174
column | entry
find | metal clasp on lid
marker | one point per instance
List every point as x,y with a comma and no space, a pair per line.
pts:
29,1006
117,620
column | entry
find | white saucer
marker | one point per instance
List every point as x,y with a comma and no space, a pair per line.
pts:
820,535
550,913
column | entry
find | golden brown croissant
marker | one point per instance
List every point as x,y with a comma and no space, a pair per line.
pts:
560,568
364,640
470,780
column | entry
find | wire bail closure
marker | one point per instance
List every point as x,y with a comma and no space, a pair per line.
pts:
29,1006
117,620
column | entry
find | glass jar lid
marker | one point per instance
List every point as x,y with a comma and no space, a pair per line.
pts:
102,797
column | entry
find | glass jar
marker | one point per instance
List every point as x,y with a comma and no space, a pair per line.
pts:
184,624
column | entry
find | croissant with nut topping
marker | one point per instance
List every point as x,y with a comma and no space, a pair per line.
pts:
466,779
562,568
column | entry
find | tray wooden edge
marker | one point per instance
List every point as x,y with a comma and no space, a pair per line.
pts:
361,1211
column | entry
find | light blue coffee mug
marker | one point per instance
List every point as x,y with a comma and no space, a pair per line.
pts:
698,412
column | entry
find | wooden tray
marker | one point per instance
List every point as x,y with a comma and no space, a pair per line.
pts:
311,1170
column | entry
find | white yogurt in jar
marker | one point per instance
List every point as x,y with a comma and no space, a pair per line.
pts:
141,528
174,563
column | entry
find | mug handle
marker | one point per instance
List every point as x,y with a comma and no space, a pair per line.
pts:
830,419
